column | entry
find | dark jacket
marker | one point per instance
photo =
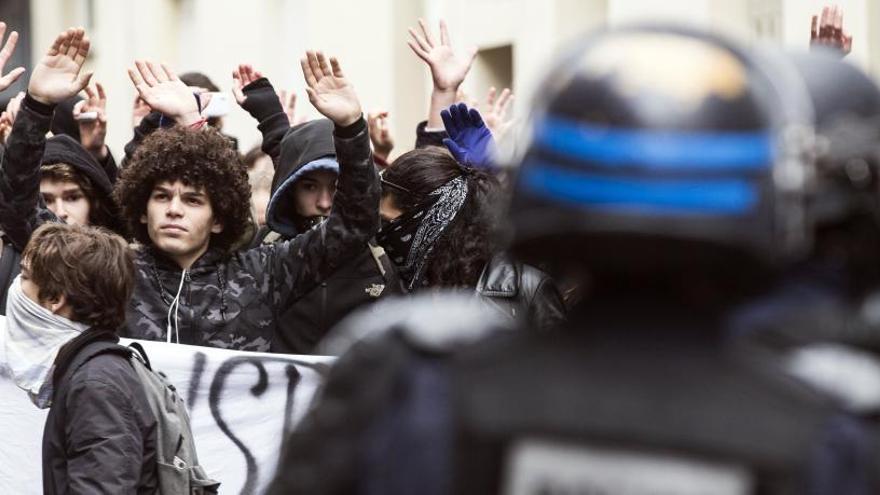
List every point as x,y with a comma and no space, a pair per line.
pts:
237,300
227,300
521,291
366,277
402,411
426,138
100,434
10,267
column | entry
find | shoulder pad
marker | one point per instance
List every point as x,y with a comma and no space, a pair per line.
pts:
432,321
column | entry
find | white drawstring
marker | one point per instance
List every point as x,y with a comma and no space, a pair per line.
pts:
175,306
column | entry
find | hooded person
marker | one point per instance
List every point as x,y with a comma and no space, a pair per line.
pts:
306,171
73,188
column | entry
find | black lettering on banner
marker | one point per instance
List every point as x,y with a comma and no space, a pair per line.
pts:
293,378
215,397
196,379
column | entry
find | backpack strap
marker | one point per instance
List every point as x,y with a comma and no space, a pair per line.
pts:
143,354
87,353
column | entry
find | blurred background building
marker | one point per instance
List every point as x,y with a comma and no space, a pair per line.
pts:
515,38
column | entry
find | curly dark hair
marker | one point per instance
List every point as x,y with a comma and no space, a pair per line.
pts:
201,159
464,249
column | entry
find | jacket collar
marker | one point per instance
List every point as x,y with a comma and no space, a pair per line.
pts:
500,277
206,262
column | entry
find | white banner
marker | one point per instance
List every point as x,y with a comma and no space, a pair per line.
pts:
241,405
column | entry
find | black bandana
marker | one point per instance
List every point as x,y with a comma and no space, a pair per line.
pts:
410,238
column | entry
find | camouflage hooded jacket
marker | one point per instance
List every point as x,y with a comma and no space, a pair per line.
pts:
226,300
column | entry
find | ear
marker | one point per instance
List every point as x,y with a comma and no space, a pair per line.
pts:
58,304
144,219
217,227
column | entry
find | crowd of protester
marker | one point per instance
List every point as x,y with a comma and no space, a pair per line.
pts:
685,213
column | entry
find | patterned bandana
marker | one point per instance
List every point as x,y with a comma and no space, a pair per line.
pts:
409,239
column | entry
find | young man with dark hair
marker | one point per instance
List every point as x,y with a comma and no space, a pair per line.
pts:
186,199
71,297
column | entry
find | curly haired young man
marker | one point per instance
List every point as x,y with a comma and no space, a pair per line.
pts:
184,196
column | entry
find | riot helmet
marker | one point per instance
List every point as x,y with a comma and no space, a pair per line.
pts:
664,146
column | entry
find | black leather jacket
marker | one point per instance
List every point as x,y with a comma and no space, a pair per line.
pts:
521,291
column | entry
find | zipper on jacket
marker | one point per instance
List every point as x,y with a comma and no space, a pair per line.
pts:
322,321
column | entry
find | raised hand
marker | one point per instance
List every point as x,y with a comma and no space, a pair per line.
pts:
164,92
448,69
6,80
469,141
59,76
496,115
93,131
828,31
329,90
243,75
380,135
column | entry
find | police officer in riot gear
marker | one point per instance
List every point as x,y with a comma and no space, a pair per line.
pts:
822,320
675,169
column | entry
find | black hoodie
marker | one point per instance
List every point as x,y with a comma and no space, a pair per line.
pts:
306,147
295,151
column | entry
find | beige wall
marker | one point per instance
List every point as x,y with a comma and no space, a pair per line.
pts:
370,41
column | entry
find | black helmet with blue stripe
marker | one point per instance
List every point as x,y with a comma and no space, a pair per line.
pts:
653,143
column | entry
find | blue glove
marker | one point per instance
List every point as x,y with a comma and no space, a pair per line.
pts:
469,141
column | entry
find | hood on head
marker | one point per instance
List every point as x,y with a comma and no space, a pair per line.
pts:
305,148
64,149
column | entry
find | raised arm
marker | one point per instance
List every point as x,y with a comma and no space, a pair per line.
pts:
448,69
8,79
255,94
469,141
297,265
380,136
57,77
172,101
